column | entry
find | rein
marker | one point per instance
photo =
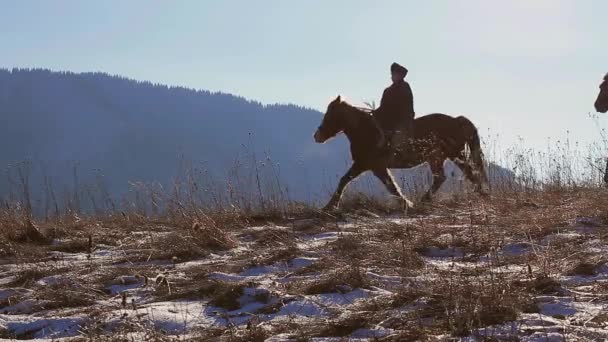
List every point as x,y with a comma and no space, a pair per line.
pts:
364,109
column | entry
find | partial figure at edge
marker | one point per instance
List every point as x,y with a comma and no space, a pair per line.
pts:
601,105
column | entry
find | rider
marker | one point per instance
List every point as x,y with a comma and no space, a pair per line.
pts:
396,112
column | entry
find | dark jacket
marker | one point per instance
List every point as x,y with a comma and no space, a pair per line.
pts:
396,107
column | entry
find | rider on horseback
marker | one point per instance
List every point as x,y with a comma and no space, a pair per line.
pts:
396,112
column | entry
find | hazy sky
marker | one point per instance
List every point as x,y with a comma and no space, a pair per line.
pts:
526,68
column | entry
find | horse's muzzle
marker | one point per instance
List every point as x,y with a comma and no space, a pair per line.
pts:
601,107
319,136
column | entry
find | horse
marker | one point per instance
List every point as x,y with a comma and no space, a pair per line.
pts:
601,103
437,137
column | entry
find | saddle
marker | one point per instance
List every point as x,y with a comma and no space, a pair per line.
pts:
386,142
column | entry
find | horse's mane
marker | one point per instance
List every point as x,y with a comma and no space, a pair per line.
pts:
355,108
347,105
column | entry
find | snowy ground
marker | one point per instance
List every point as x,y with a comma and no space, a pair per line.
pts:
533,269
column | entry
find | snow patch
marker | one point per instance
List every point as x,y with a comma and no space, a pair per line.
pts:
37,327
516,249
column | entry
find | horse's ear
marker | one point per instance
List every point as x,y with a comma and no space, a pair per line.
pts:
339,99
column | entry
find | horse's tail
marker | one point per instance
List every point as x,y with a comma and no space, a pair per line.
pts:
471,138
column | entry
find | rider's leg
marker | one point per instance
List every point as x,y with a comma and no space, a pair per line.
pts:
398,144
393,146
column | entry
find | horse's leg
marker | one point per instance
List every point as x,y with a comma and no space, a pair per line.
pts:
387,179
438,178
351,174
468,173
606,174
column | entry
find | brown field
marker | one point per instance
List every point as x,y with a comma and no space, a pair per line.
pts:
518,265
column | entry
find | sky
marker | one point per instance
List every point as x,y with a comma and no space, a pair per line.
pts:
521,70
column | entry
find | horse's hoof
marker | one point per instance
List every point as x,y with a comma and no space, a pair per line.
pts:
329,208
408,204
482,191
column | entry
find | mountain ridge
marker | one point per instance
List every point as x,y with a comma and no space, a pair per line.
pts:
139,131
155,84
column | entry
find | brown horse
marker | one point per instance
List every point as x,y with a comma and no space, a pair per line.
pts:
601,103
437,137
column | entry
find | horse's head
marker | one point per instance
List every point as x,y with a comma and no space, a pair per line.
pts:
601,104
333,121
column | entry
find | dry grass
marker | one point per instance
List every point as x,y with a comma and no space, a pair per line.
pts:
252,333
218,293
222,294
543,285
73,246
172,245
58,296
463,304
344,326
339,280
473,286
281,254
29,276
